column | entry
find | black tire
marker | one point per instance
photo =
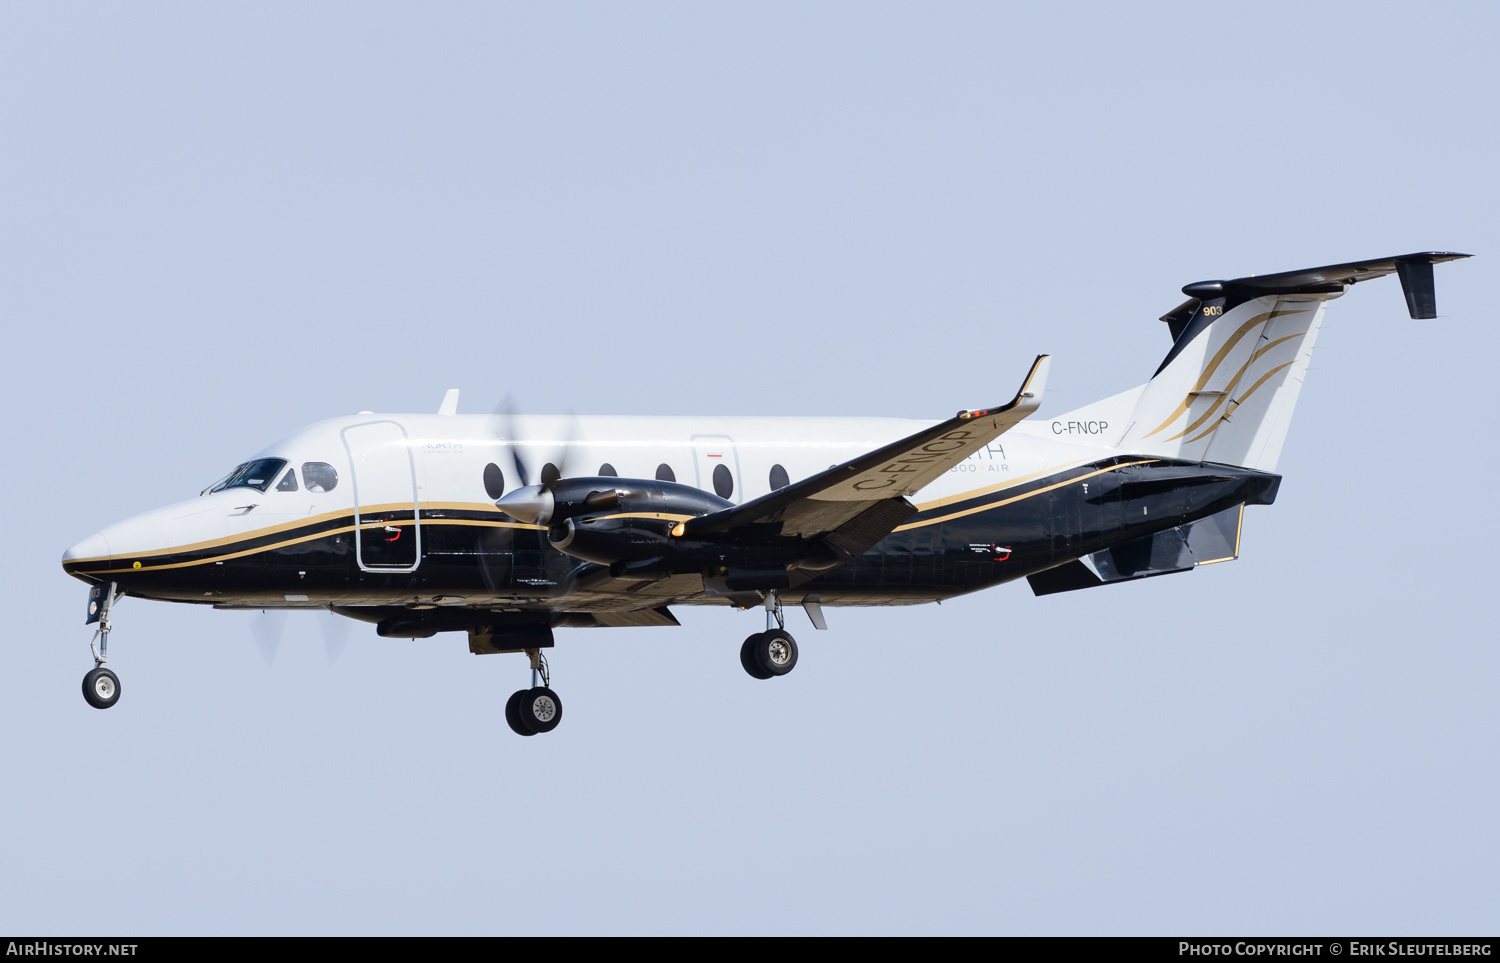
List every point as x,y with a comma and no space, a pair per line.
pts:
775,652
747,658
540,709
101,688
513,714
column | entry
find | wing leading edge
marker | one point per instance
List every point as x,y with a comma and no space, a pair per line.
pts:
863,499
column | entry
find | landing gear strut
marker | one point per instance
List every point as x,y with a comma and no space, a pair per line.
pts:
101,687
773,652
537,709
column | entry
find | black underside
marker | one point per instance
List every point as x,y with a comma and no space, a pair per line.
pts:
479,570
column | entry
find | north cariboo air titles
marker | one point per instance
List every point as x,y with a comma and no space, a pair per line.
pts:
989,458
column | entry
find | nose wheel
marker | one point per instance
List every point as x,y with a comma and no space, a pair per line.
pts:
537,709
101,688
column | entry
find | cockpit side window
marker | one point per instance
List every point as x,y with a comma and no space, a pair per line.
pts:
252,474
319,476
288,482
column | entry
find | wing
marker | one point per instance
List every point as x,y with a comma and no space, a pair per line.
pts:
859,502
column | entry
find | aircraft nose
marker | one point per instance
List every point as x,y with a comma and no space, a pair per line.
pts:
95,546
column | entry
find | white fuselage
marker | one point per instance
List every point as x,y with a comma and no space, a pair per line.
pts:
439,461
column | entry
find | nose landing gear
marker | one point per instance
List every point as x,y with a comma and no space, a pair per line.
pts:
101,687
537,709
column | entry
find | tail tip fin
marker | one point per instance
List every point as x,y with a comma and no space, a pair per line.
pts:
1415,272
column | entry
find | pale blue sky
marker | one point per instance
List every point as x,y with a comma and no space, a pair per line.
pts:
219,223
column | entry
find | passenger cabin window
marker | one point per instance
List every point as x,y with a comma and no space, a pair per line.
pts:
723,481
664,473
288,482
252,474
779,478
494,481
607,470
319,476
550,473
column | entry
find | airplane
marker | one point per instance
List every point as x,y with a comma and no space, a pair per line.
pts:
506,527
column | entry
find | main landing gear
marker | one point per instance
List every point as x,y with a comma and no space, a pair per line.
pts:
773,652
101,687
537,709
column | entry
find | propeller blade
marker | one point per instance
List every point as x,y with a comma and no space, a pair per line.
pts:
267,629
335,634
565,452
504,419
507,428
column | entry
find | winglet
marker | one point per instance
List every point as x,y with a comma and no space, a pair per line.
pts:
450,403
1415,272
1027,399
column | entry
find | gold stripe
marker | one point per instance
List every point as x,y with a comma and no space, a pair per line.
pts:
259,532
1213,366
219,558
1229,388
1239,526
1253,388
283,544
1007,501
1010,483
302,521
476,523
1219,359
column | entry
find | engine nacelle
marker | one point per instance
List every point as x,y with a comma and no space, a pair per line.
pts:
610,539
627,524
612,520
552,504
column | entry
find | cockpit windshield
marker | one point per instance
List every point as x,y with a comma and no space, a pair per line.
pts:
252,474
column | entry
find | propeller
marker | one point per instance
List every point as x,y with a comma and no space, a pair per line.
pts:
267,629
532,501
335,634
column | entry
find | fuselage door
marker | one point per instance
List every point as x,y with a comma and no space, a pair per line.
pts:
388,527
717,464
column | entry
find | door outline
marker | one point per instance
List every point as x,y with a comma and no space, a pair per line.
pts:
416,513
703,445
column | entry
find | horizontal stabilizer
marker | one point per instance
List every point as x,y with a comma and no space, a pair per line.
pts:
1208,540
1415,271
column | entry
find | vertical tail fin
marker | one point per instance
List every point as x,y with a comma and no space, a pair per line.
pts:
1226,391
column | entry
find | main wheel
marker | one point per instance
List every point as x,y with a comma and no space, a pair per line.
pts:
540,709
101,688
775,652
513,714
747,658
